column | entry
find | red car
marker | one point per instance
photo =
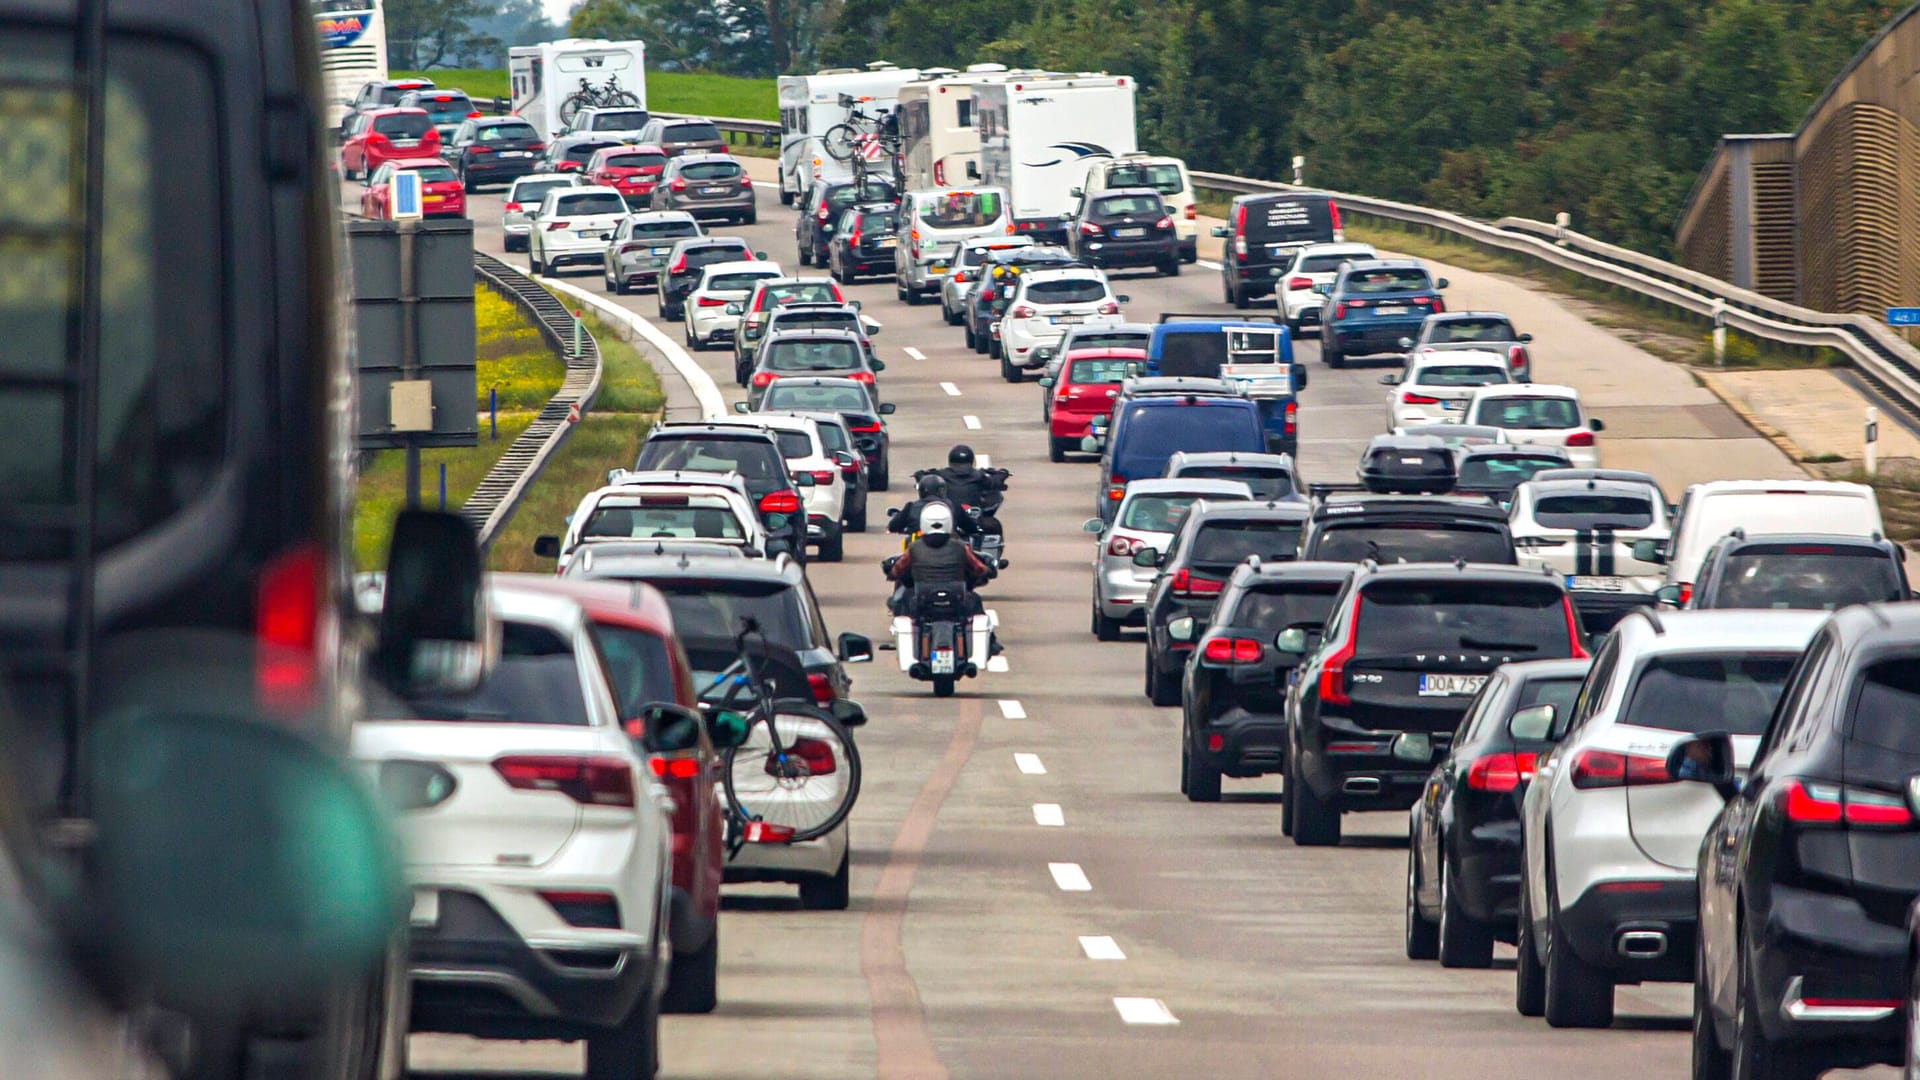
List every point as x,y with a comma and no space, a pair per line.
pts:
378,136
1086,387
441,193
634,629
630,170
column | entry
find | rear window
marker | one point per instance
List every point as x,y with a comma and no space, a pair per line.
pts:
403,125
802,292
1459,374
1129,204
674,517
665,228
1287,220
1734,692
842,196
1266,483
504,132
434,174
636,161
619,120
535,681
812,356
699,131
1807,577
711,170
1275,610
446,108
1529,413
1450,331
1156,431
713,609
391,95
1097,339
638,666
1504,471
593,202
1156,513
1887,713
786,395
701,256
1230,542
1593,512
1103,372
794,444
817,320
528,194
1387,280
1410,542
1408,617
878,221
1165,179
961,210
1066,291
582,152
734,282
754,459
1323,264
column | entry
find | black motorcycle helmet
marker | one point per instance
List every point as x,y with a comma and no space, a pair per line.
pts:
961,454
933,486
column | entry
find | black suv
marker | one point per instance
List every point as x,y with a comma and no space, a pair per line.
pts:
1234,696
1802,573
1807,874
684,263
1213,538
820,210
863,243
697,446
1463,880
1126,227
1348,526
493,150
1406,648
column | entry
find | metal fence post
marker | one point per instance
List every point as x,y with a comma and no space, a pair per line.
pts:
1719,332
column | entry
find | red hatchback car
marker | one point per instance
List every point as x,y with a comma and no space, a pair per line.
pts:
634,629
630,170
441,193
1086,387
378,136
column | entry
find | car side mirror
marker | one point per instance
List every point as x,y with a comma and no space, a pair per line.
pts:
845,459
1093,525
1390,379
1182,628
666,728
1293,640
1122,298
1596,424
1406,343
1076,193
886,408
434,636
1668,594
803,479
740,407
854,304
848,712
761,255
1046,382
1146,556
1415,747
853,648
1217,230
1524,338
877,365
1649,551
1533,723
1440,284
734,309
1706,758
546,547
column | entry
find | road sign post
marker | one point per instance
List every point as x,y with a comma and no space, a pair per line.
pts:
1719,332
1871,459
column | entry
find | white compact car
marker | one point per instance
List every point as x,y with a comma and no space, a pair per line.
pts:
1538,414
724,284
537,844
819,866
1585,527
523,204
1315,264
1434,388
575,226
806,452
1045,303
681,507
1611,840
1146,518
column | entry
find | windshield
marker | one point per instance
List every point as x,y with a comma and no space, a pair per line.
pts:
734,282
637,665
1158,513
754,459
403,125
446,108
1066,291
1459,374
1733,692
535,681
1593,511
1232,541
1386,280
1129,204
1102,372
812,356
699,131
672,227
1396,618
1448,331
711,170
786,395
802,292
1529,413
1807,577
1165,179
505,132
531,194
961,210
1506,471
671,517
713,609
635,161
593,202
1154,432
619,120
1266,483
1394,542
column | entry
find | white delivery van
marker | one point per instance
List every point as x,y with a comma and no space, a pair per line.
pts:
551,81
1037,137
812,104
932,226
1712,510
1166,175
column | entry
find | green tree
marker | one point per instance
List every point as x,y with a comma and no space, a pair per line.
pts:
428,33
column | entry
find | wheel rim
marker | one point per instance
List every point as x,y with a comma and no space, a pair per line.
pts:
804,786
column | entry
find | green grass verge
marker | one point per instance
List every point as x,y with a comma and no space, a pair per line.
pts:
513,358
601,441
667,91
628,382
382,490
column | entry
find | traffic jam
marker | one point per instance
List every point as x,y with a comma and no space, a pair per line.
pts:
1363,553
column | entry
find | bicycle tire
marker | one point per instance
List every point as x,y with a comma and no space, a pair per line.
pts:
571,107
623,99
838,141
811,810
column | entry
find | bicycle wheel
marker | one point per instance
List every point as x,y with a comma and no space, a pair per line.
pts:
623,99
838,141
571,107
809,786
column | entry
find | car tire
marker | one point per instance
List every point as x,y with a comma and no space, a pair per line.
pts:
533,261
1464,941
833,546
1158,690
858,522
1293,328
787,197
1529,975
1756,1057
1330,352
1056,449
1315,824
1170,268
1286,806
943,685
995,350
1201,781
1421,935
630,1051
1007,370
1578,995
883,479
752,217
1242,299
1712,1061
693,980
967,333
1104,629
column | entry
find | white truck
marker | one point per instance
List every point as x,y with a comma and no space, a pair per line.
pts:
551,81
1037,137
812,104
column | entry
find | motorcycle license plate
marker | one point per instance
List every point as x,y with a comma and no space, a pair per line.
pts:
943,661
1450,685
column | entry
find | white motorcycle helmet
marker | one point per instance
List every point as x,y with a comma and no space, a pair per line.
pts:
936,519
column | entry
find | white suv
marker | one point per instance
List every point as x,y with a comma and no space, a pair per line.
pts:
574,225
713,307
1316,264
537,845
670,506
826,500
1611,840
1536,414
1045,303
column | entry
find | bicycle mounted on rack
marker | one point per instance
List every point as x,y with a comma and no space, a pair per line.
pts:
588,96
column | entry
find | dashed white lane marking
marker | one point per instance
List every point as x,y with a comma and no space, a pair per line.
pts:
1013,710
998,663
972,422
1030,764
1049,814
1069,877
1144,1011
1101,948
917,354
1206,264
952,390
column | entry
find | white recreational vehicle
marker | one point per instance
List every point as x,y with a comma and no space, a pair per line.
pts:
543,79
1037,137
812,104
937,131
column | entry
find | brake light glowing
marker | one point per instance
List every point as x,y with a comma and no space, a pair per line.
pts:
1240,230
287,630
1164,223
679,266
1189,213
1580,438
1117,490
673,768
820,685
1088,228
677,185
1606,769
711,301
1422,301
1292,416
786,501
861,376
1516,357
1686,592
1185,584
865,429
764,378
1333,214
1578,651
594,781
1339,310
1410,398
1807,803
1500,772
1232,651
512,208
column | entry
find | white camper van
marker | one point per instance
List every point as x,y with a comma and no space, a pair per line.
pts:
1037,137
939,139
542,78
812,104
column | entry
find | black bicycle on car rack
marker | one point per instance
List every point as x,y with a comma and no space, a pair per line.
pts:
589,96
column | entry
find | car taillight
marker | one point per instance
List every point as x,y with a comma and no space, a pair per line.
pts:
861,376
628,249
746,181
823,476
1111,307
590,910
1088,228
865,429
1422,301
1185,584
555,226
1686,592
961,277
286,630
1232,651
853,237
1499,773
1292,415
1607,769
537,147
851,469
1576,649
1339,310
1809,803
815,754
595,781
1164,223
1333,215
1022,311
1240,230
480,149
684,766
1438,305
1580,438
1516,357
764,378
780,502
677,185
679,266
1124,545
1298,283
1190,215
377,138
1409,398
821,687
1333,672
1116,489
820,215
512,208
986,292
711,301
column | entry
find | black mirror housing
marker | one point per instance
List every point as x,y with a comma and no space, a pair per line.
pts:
854,648
547,547
667,728
434,634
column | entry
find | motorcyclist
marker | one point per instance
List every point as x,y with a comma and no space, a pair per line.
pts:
971,486
931,491
936,561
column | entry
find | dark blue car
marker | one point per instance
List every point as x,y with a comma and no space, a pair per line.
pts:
1148,431
1374,303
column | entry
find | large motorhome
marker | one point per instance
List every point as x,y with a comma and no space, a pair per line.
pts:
1037,137
810,105
937,130
543,77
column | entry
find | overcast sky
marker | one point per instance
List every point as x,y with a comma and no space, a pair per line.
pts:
558,10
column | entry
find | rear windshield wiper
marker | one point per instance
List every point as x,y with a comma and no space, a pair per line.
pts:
1504,646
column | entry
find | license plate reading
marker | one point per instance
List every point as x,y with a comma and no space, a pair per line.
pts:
516,153
1129,232
1596,584
426,907
712,190
943,661
1067,320
1453,406
1450,685
661,251
883,241
1390,311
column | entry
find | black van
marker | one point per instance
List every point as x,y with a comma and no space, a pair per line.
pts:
1261,234
182,656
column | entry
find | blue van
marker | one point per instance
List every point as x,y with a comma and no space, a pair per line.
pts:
1256,355
1147,431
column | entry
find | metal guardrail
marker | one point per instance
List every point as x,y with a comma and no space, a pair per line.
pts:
493,502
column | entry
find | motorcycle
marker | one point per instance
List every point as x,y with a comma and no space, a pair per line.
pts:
938,643
991,547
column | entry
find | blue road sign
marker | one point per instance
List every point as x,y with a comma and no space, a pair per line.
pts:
404,199
1903,316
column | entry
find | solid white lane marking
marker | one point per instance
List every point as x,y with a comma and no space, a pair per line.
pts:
952,390
1029,764
1069,877
1049,814
1206,264
998,663
972,422
1144,1011
1101,948
913,352
1013,710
